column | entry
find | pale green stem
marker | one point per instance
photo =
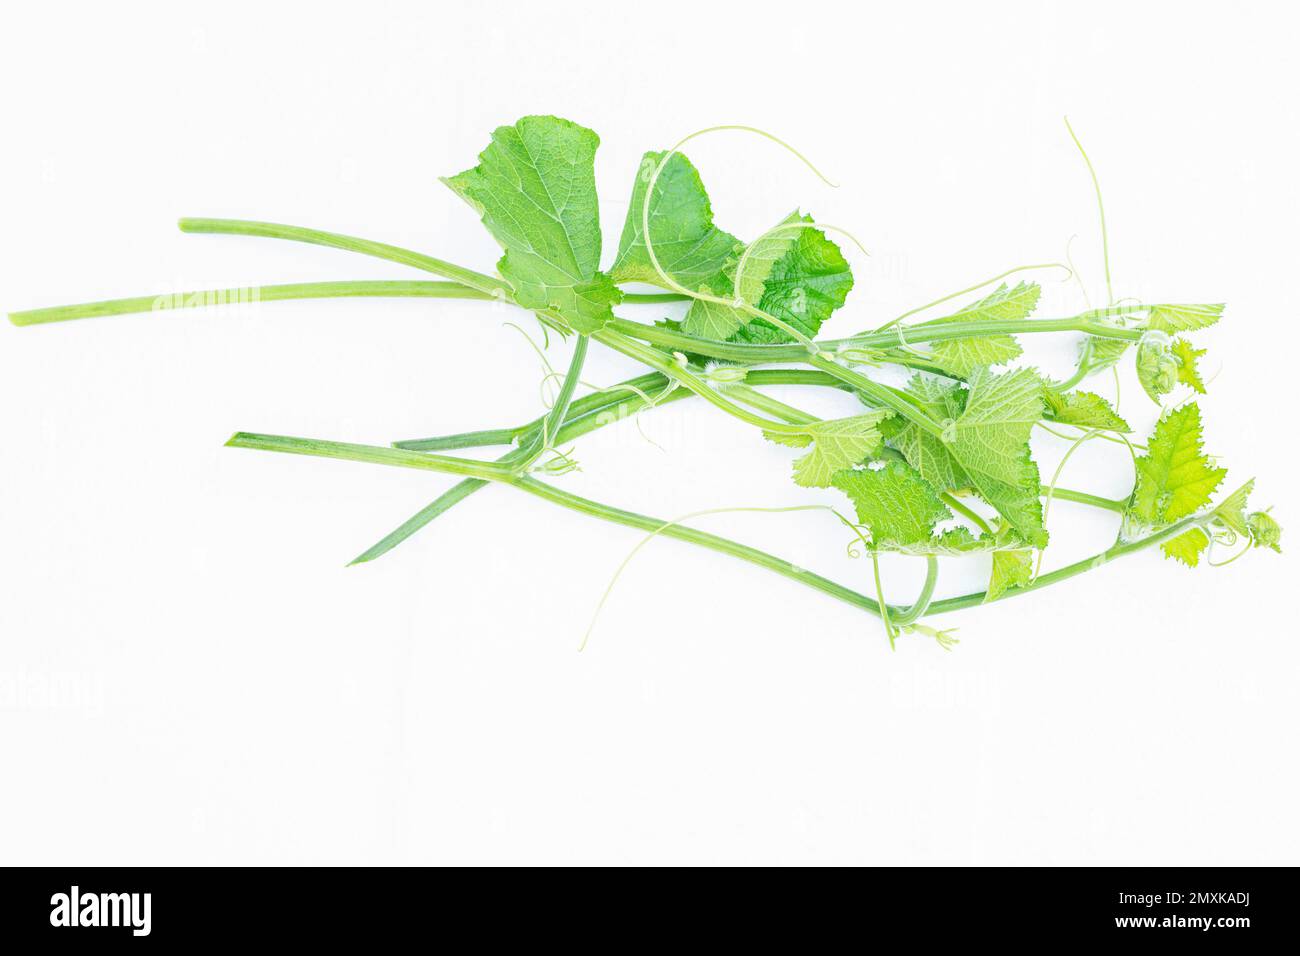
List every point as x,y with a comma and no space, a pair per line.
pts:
496,472
175,301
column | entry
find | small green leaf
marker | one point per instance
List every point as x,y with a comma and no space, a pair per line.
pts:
1186,357
1265,532
837,444
963,356
1098,353
1187,547
535,187
1174,478
1183,318
1012,568
1232,509
1157,368
689,247
895,502
1084,409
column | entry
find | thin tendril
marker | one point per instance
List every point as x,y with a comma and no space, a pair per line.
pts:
678,520
1101,210
1051,489
546,364
1223,564
1078,279
1103,433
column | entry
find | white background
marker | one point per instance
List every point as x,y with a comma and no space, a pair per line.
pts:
188,672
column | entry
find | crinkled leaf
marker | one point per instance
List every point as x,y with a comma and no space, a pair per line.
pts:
1099,353
1186,357
802,289
1174,478
1157,368
951,543
895,502
963,356
1012,568
985,444
1187,547
1265,531
762,255
1183,318
796,275
535,188
712,320
1232,509
689,247
1084,409
1013,565
836,444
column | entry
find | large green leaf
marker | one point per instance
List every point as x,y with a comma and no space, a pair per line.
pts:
689,247
985,443
535,188
715,320
803,288
796,275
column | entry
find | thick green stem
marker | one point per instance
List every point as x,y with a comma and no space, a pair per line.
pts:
665,365
451,497
366,288
554,419
922,602
480,439
493,286
879,394
465,467
763,354
1097,501
1072,570
169,301
501,473
650,382
702,538
766,403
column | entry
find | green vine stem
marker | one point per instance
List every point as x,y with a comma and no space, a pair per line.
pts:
169,301
362,288
546,436
494,472
493,286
